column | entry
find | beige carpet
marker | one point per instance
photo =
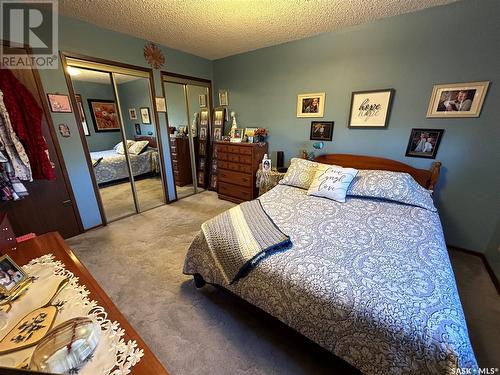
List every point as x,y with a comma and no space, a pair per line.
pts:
138,261
119,202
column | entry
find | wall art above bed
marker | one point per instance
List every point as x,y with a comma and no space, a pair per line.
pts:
311,105
370,109
457,99
424,143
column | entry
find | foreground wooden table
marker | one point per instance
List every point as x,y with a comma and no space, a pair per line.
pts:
53,243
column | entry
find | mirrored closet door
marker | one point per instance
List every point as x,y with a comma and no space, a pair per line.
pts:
116,112
188,118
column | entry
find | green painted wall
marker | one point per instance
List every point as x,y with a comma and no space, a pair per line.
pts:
410,53
83,38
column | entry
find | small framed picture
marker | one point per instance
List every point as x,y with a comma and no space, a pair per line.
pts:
59,103
249,132
64,130
219,116
311,105
161,104
11,276
145,116
266,164
424,143
223,99
83,118
457,99
132,113
203,149
217,134
138,129
104,115
370,109
204,117
237,136
202,100
203,133
321,131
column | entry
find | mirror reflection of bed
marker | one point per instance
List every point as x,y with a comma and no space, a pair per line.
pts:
98,96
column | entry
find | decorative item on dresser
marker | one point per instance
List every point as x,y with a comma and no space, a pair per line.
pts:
237,166
181,160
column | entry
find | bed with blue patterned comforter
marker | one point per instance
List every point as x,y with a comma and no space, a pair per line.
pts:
369,279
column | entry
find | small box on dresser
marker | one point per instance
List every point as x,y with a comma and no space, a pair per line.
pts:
237,165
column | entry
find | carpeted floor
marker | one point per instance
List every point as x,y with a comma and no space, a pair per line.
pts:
138,261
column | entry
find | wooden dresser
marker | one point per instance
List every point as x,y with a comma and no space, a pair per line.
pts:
237,164
181,160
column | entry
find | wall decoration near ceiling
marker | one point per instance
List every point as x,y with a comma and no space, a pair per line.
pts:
457,99
370,109
104,115
153,55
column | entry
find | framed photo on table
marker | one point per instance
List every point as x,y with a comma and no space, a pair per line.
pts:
457,99
132,113
311,105
370,109
424,143
104,115
11,276
321,131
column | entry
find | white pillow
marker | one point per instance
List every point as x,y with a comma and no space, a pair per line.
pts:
119,146
137,147
332,182
301,173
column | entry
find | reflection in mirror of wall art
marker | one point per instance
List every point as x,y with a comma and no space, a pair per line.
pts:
83,119
311,105
145,116
104,115
370,109
321,131
138,129
424,143
457,99
59,103
203,133
132,113
223,98
202,99
204,117
217,134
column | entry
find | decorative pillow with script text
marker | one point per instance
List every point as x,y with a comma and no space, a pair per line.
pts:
332,182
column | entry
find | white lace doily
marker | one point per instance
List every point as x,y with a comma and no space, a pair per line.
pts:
113,355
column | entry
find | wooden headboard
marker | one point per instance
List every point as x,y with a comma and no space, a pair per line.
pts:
152,141
427,178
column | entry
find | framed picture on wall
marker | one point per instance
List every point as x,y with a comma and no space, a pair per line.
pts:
321,131
132,113
59,103
219,116
145,115
311,105
424,143
457,99
81,112
104,115
370,109
203,133
217,134
204,117
202,100
223,99
138,129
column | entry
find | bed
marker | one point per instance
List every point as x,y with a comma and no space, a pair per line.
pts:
110,166
369,280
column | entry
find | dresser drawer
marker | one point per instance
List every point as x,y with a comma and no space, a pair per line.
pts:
237,178
235,158
232,166
235,191
245,168
233,149
245,159
222,164
246,150
222,155
221,148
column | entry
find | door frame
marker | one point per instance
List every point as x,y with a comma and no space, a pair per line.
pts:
50,124
172,77
71,55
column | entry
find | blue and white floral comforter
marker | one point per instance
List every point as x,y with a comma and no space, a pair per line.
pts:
369,280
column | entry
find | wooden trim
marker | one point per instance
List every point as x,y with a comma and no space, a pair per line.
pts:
182,78
490,271
169,144
83,138
427,178
73,55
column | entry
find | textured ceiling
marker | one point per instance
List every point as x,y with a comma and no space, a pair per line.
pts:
218,28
